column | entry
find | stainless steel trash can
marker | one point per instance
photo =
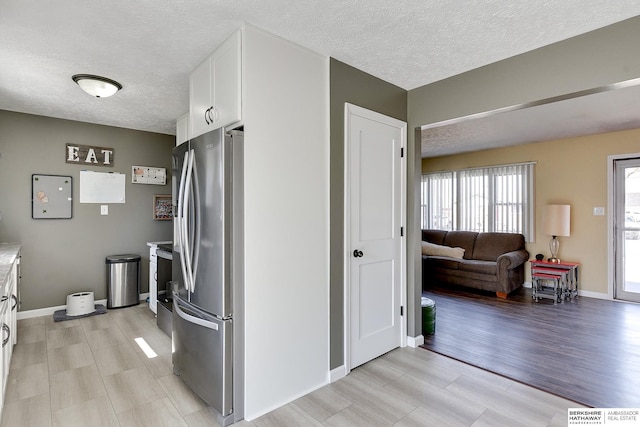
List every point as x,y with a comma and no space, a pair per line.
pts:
123,280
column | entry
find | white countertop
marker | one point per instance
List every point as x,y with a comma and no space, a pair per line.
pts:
8,254
165,242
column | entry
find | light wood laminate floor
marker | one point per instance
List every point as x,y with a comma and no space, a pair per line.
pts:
90,371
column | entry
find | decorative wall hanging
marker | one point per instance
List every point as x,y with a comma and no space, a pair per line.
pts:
148,175
162,207
89,155
51,196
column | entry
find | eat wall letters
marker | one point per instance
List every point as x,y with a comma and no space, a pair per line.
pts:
89,155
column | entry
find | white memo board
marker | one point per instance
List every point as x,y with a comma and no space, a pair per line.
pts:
101,187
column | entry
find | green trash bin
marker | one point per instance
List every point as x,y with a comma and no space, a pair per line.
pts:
428,316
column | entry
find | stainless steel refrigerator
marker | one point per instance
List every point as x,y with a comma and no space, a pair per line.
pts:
208,270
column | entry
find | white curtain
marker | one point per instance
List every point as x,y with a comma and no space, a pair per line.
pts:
438,198
498,199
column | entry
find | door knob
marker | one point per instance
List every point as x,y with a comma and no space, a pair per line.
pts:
357,253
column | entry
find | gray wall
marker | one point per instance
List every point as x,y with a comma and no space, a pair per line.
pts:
604,56
63,256
356,87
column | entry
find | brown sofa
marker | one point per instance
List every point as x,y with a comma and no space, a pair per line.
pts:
491,261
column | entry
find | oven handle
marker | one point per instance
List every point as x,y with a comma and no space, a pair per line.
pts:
164,254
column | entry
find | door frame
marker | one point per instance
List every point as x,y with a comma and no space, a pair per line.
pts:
611,221
351,109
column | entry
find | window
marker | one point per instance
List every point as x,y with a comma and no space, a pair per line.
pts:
496,199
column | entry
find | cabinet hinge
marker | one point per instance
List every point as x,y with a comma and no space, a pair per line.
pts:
401,231
401,310
401,151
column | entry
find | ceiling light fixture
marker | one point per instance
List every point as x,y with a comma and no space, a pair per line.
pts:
100,87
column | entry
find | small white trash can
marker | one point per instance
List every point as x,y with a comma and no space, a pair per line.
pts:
80,303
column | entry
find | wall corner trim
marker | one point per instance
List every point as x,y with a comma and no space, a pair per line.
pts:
414,342
337,373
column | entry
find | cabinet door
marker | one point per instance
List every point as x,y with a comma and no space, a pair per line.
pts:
153,279
7,349
4,367
13,302
200,99
5,332
182,129
227,72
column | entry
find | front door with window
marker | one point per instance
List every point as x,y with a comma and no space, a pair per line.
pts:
627,229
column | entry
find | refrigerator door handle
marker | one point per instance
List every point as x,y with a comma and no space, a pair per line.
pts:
192,319
195,233
185,228
180,220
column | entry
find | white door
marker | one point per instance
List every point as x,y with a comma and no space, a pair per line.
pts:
627,229
375,267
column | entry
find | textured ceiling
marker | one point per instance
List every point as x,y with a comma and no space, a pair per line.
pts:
152,46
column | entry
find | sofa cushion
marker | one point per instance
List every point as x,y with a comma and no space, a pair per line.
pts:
439,250
484,267
462,239
439,262
489,246
434,236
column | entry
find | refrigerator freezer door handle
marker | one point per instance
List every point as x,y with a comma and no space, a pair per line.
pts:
180,220
185,224
195,233
190,318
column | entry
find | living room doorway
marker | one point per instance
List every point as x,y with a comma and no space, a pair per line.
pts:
626,228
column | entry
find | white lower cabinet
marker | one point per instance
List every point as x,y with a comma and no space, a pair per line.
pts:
8,325
4,355
153,278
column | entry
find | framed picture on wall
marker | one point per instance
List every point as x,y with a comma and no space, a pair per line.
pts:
162,208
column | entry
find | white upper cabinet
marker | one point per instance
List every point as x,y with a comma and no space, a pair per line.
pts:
200,99
215,91
182,129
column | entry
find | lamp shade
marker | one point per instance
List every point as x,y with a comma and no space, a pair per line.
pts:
556,220
100,87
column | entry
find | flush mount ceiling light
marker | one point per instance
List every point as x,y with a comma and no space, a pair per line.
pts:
100,87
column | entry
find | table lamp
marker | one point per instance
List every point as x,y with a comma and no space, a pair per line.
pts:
556,222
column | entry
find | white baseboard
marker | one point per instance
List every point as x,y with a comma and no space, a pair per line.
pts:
588,294
597,295
415,341
252,416
337,373
48,311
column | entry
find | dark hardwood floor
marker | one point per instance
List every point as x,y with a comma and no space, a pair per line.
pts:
586,350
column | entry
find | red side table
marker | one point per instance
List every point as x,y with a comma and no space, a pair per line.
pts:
558,281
